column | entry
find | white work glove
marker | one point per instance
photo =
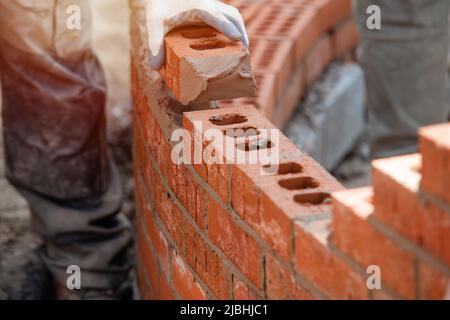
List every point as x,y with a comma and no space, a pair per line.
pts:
165,15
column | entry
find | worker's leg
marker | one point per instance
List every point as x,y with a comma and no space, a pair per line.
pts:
55,145
405,66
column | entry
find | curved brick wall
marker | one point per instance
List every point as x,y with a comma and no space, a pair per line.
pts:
228,232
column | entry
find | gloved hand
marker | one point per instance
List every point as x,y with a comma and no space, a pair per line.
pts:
165,15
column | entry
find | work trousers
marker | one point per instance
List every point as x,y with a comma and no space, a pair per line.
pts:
56,155
405,65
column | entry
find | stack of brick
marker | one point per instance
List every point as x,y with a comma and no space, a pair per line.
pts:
227,231
291,43
402,223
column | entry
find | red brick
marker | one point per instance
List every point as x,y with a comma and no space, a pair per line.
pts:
249,9
315,261
433,284
159,243
259,209
218,174
356,237
185,284
274,56
281,283
145,291
207,264
171,217
142,164
242,291
299,24
199,57
435,150
289,98
151,131
345,38
275,226
318,59
380,295
331,12
148,261
219,180
237,245
165,289
399,205
279,204
264,99
245,194
191,195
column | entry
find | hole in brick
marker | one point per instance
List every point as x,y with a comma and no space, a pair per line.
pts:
241,132
253,145
299,183
198,33
313,198
228,119
286,168
208,45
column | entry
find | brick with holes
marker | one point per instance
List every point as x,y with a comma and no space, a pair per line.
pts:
248,8
273,56
299,24
204,65
269,202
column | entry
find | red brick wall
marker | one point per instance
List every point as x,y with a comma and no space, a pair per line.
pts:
226,231
402,223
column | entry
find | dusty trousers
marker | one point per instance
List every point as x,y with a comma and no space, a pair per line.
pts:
405,65
54,124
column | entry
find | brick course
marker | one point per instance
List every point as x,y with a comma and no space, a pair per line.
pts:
228,231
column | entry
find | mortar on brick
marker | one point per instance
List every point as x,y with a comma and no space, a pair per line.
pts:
203,65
